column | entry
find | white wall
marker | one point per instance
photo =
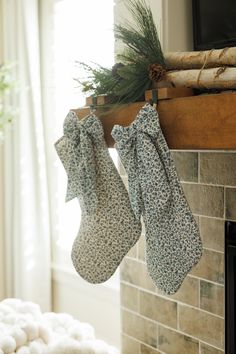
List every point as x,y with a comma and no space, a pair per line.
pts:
177,33
98,305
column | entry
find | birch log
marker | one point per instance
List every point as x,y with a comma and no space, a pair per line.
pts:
195,60
214,78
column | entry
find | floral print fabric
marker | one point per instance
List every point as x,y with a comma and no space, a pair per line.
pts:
173,244
108,226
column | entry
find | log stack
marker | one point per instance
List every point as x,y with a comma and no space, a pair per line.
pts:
212,69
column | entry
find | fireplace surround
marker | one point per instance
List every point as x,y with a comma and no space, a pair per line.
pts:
192,321
230,284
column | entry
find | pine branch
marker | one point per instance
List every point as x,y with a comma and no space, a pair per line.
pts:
143,38
128,82
99,80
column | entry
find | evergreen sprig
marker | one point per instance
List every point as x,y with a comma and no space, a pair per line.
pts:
99,80
141,39
129,81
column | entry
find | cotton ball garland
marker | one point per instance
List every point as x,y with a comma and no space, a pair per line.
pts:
44,333
5,309
32,331
35,348
23,350
7,344
81,331
51,319
19,335
24,330
95,347
86,347
88,331
30,307
2,328
64,346
11,318
65,319
101,347
12,302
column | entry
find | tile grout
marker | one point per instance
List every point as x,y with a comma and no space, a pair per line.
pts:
171,329
176,301
141,342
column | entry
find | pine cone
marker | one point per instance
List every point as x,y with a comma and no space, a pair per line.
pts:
156,72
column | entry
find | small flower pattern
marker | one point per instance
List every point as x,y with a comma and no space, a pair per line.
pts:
173,243
108,227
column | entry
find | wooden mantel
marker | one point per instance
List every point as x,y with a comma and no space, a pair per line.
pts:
192,123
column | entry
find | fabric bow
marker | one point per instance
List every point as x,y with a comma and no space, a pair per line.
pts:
143,133
76,151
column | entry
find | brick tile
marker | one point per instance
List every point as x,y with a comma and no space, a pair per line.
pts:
129,297
147,350
187,293
158,309
200,324
212,298
172,342
187,165
139,328
135,272
129,345
218,168
205,200
206,349
210,267
212,233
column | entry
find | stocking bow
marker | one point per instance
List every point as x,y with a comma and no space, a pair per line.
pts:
76,151
143,133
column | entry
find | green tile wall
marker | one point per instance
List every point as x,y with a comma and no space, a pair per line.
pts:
192,320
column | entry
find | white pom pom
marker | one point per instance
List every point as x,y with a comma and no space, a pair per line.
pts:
32,331
81,331
19,335
7,344
13,303
64,346
44,333
51,319
97,347
35,348
75,332
64,319
23,350
31,308
86,348
10,318
88,331
5,309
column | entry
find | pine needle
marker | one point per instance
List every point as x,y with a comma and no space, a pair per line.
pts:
130,80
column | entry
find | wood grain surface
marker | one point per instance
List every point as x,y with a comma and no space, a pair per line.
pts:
188,123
